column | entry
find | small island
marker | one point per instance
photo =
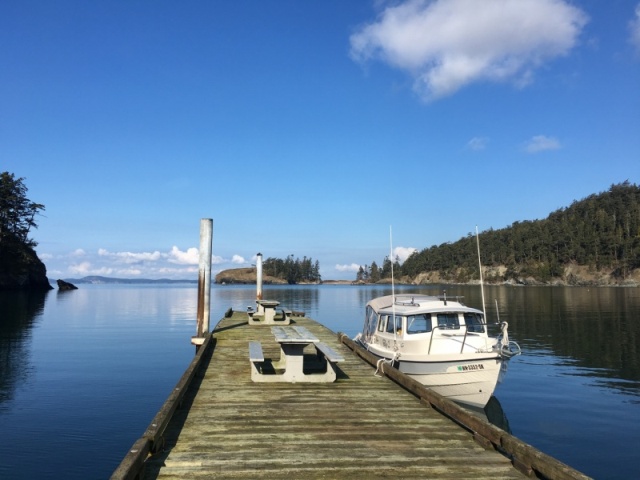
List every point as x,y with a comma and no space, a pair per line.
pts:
276,271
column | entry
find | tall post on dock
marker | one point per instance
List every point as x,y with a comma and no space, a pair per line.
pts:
259,283
259,277
204,280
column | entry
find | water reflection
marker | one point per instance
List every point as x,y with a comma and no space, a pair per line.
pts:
20,310
492,413
593,330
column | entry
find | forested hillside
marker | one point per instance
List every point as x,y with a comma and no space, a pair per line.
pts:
595,240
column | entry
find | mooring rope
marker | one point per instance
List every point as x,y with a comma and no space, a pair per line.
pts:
382,361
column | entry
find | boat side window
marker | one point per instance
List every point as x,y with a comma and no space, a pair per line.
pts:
391,324
382,323
448,321
419,323
474,322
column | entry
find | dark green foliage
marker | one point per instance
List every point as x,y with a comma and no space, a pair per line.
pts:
293,271
369,274
373,273
17,217
601,231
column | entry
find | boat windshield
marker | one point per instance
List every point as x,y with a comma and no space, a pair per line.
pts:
419,323
371,322
448,321
474,322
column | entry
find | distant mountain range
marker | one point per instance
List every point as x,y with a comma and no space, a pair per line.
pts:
94,279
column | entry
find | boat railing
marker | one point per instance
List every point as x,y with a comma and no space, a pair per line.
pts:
456,298
410,300
464,338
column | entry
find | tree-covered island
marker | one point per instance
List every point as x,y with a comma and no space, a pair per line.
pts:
20,267
276,271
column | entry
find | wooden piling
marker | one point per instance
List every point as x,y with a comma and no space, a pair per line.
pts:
204,281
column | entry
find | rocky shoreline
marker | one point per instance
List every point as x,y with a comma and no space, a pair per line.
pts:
574,275
27,274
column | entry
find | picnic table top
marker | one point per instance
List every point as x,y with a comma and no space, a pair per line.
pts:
268,303
293,335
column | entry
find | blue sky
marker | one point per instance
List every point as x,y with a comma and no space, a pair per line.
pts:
308,128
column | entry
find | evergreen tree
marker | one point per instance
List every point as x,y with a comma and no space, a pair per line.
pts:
17,212
375,273
17,218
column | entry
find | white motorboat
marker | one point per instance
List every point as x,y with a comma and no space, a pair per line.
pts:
440,342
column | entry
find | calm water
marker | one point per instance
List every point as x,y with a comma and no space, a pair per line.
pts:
82,373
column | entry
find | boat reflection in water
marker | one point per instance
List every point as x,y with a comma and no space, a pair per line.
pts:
492,413
440,342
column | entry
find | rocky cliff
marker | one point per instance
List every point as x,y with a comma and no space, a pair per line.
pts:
24,271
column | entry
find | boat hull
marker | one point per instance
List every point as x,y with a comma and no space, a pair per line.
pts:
470,380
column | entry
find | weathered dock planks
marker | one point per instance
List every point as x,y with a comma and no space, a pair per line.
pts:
361,426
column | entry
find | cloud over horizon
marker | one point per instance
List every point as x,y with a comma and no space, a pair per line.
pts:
354,267
446,45
175,263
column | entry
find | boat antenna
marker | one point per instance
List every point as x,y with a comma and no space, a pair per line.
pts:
393,293
484,312
393,290
396,353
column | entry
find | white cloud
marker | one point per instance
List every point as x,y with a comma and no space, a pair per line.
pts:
82,267
174,263
136,272
634,26
190,257
131,257
85,268
238,260
448,44
354,267
402,253
540,143
478,143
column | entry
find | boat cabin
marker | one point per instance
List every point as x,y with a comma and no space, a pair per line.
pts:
425,324
419,314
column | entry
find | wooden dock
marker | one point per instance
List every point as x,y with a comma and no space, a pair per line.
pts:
219,424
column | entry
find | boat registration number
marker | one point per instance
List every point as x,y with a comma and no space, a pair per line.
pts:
466,368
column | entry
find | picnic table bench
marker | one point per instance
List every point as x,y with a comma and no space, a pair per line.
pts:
291,365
